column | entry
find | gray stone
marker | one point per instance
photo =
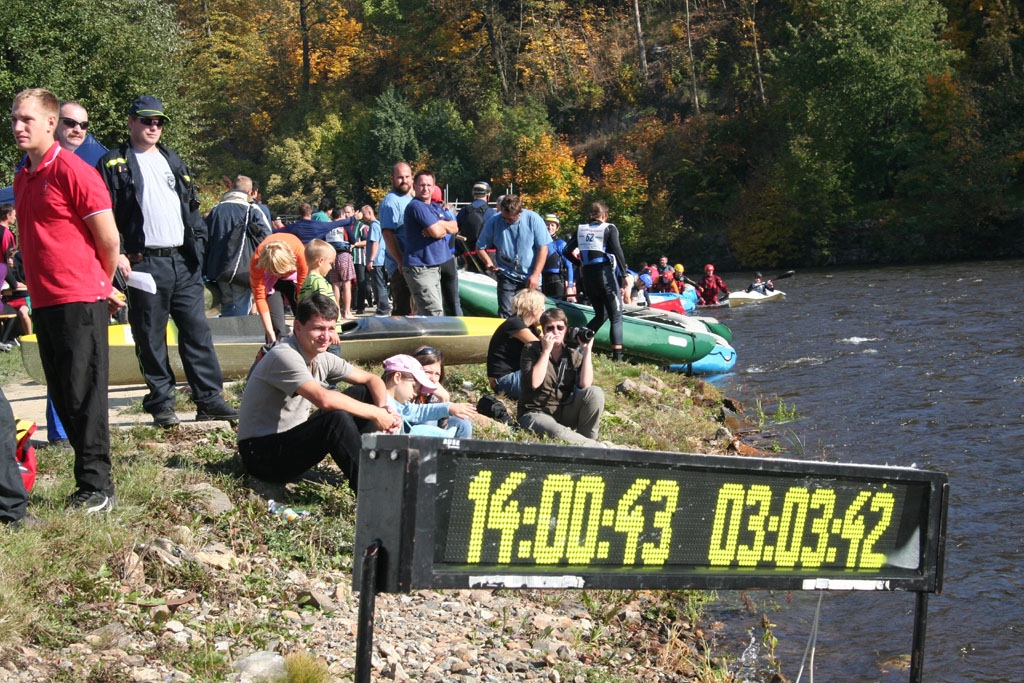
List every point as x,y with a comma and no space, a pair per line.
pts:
262,665
211,500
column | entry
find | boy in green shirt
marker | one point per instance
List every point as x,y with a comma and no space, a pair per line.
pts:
320,257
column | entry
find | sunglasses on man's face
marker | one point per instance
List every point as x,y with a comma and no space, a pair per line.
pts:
554,328
147,121
71,123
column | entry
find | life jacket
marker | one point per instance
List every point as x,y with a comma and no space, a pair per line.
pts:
471,222
591,241
25,452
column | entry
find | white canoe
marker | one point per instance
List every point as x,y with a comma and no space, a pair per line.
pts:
741,298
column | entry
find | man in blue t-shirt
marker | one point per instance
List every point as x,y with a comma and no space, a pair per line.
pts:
375,251
426,249
520,241
392,219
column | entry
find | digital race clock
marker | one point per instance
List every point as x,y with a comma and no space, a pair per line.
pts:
453,514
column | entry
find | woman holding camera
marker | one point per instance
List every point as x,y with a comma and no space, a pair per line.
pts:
604,271
558,397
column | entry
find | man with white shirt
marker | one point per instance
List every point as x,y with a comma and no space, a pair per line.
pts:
162,234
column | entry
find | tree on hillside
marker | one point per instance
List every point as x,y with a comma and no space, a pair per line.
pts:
266,64
442,133
549,176
391,137
854,72
305,167
849,82
624,189
103,54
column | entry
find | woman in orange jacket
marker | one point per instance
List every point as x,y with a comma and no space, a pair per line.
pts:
276,273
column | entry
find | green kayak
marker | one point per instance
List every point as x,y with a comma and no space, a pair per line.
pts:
641,338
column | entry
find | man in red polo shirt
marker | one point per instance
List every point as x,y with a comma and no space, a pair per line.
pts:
69,244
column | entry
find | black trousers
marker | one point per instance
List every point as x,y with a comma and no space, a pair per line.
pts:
284,294
13,496
10,326
401,295
179,296
284,457
553,285
450,288
606,298
76,360
363,296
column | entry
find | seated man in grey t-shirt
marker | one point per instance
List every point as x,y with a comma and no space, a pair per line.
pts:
278,438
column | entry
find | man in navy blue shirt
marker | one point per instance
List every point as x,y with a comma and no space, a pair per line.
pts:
426,225
308,229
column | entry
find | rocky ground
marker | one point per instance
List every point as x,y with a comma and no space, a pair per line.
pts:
237,612
466,636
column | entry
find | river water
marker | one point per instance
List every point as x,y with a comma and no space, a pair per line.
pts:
903,366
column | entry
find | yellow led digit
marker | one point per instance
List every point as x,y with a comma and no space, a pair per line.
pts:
824,500
761,496
548,519
505,517
586,520
883,502
728,509
479,493
629,519
794,516
853,527
668,491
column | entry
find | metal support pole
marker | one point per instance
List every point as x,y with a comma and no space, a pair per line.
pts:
367,603
920,626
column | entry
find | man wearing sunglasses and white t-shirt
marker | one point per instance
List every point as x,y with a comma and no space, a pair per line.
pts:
162,233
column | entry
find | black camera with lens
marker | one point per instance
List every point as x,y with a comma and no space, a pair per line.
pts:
582,335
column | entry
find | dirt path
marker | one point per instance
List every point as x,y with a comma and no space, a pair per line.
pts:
28,401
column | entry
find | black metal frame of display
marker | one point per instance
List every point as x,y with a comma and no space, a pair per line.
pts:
402,488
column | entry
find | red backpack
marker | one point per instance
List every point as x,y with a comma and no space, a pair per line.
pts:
25,452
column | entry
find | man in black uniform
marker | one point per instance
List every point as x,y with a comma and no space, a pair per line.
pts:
162,234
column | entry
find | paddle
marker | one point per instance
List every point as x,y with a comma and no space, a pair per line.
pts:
788,273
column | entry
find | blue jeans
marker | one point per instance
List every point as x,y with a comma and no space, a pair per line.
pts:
463,427
507,289
380,287
510,384
235,299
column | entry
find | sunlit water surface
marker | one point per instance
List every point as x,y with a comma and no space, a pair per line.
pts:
904,366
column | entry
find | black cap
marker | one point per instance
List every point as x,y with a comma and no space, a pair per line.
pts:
147,105
759,275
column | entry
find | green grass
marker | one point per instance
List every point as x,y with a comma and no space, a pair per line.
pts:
11,369
64,581
783,414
